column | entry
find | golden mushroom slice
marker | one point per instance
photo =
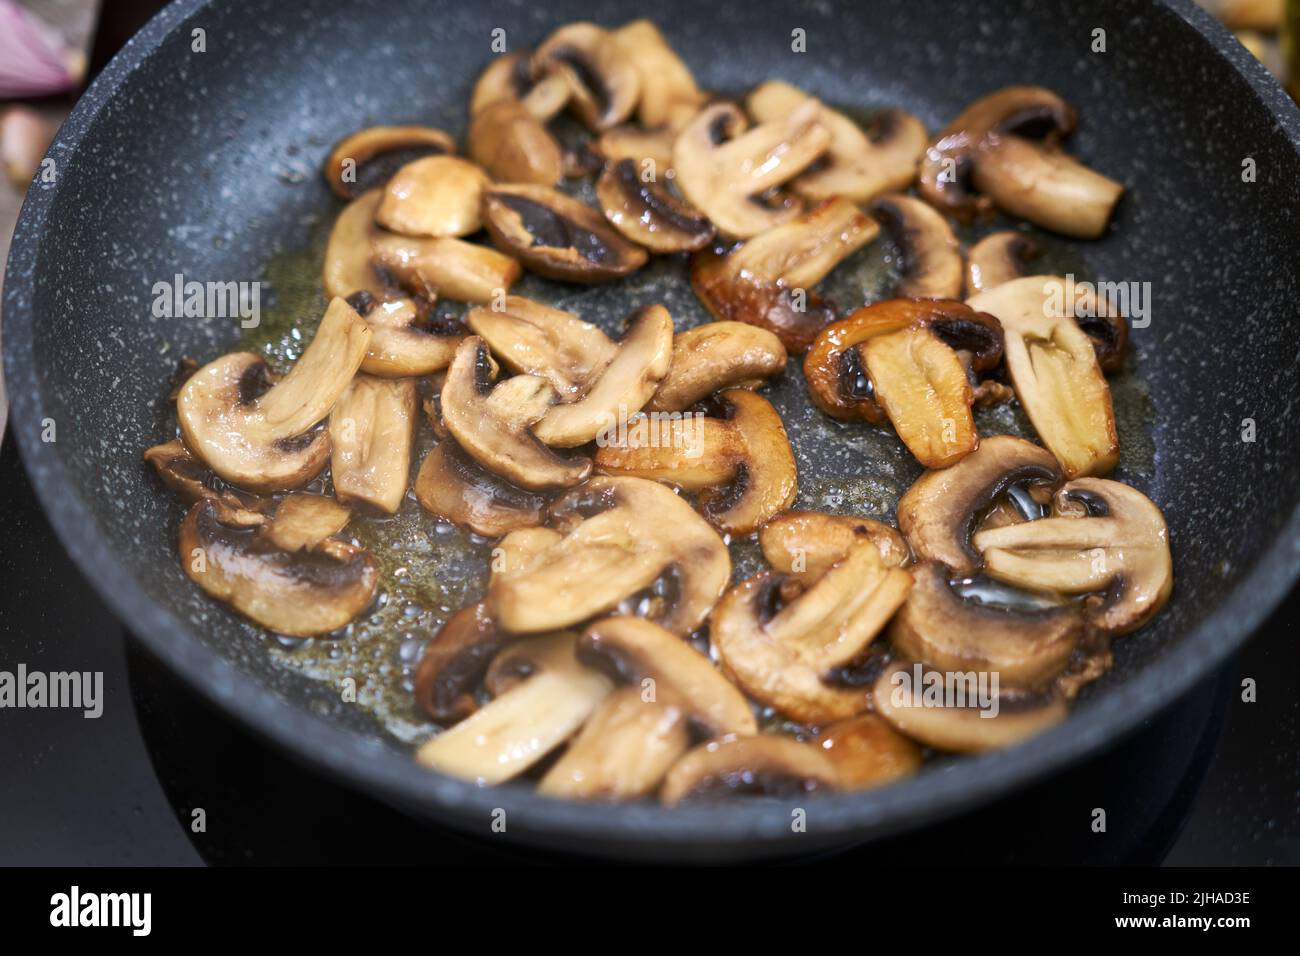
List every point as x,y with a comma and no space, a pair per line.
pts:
184,474
658,662
371,431
492,423
721,165
939,513
513,144
1103,536
781,654
623,537
930,256
302,522
402,343
365,159
510,77
517,729
349,254
997,258
313,589
715,356
667,88
740,463
444,266
1054,368
260,437
623,750
767,765
860,164
961,728
867,752
646,212
452,485
804,544
434,196
603,82
556,235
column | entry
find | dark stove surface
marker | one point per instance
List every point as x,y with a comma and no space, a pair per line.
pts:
1212,781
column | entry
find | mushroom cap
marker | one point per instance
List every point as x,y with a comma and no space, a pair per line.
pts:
997,258
939,512
513,145
714,356
371,431
867,752
929,252
300,593
647,213
453,486
434,196
365,159
768,765
621,536
633,650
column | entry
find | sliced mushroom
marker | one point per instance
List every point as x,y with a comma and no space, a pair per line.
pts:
260,438
302,522
984,149
603,82
721,167
371,430
835,369
449,267
510,77
714,356
556,235
1054,369
769,765
454,663
997,258
638,652
492,423
434,196
313,590
667,88
961,729
1103,536
860,164
621,536
365,159
513,145
402,343
804,544
647,213
938,514
767,281
507,736
929,257
782,655
1025,644
453,486
623,750
867,752
349,255
742,465
534,339
193,481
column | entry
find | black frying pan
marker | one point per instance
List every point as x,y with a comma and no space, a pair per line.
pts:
206,164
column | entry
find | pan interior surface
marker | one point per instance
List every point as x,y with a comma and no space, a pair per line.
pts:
206,165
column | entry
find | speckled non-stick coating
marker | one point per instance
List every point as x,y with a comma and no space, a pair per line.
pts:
206,164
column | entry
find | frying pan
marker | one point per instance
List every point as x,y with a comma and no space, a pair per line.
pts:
206,164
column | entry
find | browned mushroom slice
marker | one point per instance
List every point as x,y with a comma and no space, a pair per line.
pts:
1103,537
860,164
657,661
402,343
997,258
349,255
836,372
193,481
758,281
714,356
1054,368
453,486
534,339
448,267
507,736
454,663
303,522
939,512
492,423
721,166
1026,644
604,84
768,765
623,750
741,465
300,593
513,145
867,752
510,77
930,258
667,87
780,654
621,536
556,235
647,213
804,544
260,438
984,150
434,196
371,430
366,158
961,729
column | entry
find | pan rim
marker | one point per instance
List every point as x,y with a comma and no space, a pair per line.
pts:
715,832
